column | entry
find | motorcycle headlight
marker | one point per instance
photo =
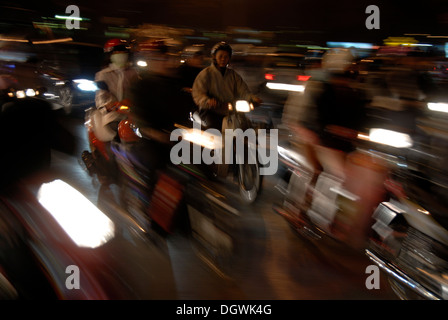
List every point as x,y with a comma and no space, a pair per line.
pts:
30,92
85,224
243,106
390,138
85,85
142,63
20,94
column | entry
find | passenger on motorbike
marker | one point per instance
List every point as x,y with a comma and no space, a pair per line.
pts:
118,77
217,85
331,113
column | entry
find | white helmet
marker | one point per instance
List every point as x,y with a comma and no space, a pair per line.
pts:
337,60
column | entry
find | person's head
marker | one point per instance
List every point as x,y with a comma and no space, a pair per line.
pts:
337,61
160,60
118,51
221,54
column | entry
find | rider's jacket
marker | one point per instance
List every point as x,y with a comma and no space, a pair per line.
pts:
118,80
226,87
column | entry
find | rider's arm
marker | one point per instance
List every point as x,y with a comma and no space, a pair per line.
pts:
103,98
200,90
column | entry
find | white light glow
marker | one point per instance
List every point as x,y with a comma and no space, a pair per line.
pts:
85,224
391,138
86,85
203,138
68,17
242,106
142,63
438,106
284,86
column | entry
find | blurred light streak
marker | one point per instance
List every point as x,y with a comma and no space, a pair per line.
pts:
69,17
439,106
13,40
358,45
285,86
53,41
390,138
86,225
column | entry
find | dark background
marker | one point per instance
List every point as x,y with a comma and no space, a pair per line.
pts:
341,20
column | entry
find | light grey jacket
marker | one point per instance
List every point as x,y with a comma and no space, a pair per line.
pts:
210,83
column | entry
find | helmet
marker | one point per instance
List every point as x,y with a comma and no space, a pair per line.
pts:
116,45
337,60
222,46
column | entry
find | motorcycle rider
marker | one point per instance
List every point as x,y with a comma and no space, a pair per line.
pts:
324,120
158,103
118,78
217,85
114,83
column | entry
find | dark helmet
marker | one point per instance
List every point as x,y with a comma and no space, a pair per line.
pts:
222,46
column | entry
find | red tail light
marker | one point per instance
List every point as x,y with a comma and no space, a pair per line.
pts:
269,76
303,78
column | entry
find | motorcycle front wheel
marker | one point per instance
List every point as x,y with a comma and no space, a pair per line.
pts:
249,181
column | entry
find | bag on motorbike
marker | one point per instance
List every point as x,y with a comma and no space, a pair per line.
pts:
165,201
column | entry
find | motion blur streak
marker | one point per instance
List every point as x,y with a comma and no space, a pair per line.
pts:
83,222
284,86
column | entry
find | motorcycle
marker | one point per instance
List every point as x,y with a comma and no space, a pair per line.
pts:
99,161
409,237
177,198
321,205
232,150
